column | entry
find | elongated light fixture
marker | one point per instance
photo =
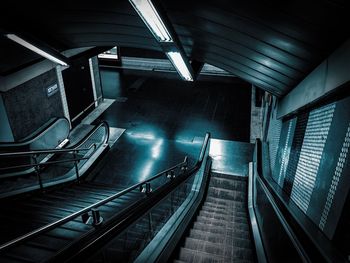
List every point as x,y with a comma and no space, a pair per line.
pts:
180,65
151,18
35,49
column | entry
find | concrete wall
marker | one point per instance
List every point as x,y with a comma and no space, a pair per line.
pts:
333,73
28,106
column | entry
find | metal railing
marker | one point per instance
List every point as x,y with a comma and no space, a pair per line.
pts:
74,151
144,186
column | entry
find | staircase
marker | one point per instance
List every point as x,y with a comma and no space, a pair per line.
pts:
221,232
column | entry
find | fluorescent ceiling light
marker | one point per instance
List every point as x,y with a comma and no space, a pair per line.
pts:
180,65
150,16
37,50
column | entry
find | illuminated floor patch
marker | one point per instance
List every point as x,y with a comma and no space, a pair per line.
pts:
230,157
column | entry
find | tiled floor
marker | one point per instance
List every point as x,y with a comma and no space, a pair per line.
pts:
166,119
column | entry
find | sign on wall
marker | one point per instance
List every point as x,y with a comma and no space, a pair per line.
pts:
51,90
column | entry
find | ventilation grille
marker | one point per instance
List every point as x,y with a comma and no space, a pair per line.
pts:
273,138
310,155
336,177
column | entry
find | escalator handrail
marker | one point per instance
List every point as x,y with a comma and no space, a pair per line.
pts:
34,137
102,123
68,218
38,152
66,150
54,162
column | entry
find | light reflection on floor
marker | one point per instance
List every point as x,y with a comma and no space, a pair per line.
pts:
166,120
230,157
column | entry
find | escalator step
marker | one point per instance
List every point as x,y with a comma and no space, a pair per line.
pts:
15,259
64,234
48,242
9,259
28,252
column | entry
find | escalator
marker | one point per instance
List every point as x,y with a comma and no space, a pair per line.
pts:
21,215
54,134
59,166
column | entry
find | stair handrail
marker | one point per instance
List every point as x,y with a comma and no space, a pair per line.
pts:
183,166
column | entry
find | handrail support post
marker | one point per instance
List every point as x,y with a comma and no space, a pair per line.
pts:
76,167
37,171
146,188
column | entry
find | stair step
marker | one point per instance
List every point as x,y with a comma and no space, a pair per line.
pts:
223,224
236,216
218,249
223,202
188,255
226,194
231,232
220,239
240,224
228,184
228,211
229,176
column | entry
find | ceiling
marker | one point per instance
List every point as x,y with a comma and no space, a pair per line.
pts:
271,44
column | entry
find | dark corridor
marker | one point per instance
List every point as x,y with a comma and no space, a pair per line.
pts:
177,110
